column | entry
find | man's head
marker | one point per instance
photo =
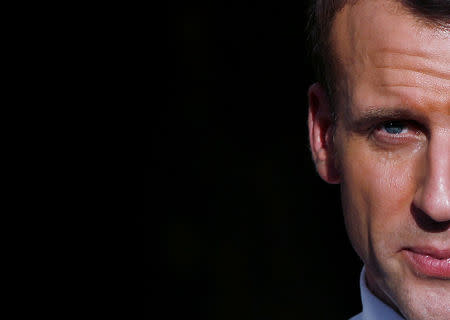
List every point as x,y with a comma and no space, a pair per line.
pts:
389,144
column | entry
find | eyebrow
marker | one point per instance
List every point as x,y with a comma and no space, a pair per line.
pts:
373,115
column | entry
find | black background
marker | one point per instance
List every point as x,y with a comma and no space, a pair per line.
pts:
249,230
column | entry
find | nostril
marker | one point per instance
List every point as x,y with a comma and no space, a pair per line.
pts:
426,223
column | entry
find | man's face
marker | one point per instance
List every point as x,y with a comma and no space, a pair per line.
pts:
392,149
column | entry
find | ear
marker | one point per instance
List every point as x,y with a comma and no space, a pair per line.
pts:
320,124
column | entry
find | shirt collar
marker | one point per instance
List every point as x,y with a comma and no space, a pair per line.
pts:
374,308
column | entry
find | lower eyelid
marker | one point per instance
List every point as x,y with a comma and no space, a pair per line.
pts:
387,140
407,137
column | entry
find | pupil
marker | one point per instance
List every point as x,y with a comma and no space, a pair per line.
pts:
394,128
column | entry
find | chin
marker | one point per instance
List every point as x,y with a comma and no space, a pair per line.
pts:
427,307
419,298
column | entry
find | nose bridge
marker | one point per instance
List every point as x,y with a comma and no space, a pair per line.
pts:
433,196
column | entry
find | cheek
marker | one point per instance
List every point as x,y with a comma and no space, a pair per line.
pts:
377,191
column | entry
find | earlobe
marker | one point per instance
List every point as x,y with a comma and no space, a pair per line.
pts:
320,124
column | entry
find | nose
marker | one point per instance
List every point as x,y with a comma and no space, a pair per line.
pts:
433,194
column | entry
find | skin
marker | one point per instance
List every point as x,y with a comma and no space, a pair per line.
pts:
395,187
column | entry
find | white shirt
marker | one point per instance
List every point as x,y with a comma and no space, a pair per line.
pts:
373,308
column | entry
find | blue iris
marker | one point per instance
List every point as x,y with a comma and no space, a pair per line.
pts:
394,127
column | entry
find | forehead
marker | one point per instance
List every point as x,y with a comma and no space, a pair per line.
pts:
388,57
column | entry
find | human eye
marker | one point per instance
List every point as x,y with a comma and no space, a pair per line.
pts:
395,132
394,127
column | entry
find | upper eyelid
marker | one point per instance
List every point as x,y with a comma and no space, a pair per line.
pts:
395,122
404,122
367,125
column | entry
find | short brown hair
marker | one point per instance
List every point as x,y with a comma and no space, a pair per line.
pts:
321,17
